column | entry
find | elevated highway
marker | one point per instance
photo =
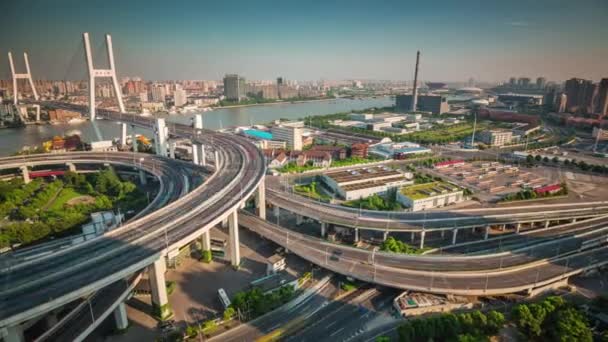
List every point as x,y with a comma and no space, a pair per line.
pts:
42,284
438,274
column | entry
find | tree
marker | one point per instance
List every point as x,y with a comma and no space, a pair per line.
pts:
567,324
495,322
538,158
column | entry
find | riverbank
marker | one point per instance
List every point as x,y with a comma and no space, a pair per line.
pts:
276,103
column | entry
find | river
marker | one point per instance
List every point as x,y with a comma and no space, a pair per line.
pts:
13,139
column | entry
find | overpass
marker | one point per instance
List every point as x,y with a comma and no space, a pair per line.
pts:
33,287
465,275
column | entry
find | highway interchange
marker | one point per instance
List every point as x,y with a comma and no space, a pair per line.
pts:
181,212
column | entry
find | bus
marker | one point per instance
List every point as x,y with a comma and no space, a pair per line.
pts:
224,298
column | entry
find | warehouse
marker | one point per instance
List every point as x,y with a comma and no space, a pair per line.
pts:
363,182
430,195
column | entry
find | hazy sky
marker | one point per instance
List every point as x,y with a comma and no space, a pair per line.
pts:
308,40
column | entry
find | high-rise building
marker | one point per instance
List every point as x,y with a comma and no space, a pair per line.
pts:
541,82
523,82
580,95
512,81
560,102
158,92
234,87
179,96
602,98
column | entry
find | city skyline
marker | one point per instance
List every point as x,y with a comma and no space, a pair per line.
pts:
554,39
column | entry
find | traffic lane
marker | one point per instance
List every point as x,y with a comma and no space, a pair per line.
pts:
277,318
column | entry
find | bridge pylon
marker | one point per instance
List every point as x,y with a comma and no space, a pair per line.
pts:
15,76
95,73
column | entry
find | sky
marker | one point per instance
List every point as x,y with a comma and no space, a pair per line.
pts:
489,40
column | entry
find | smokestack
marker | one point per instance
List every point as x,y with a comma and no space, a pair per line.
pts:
415,90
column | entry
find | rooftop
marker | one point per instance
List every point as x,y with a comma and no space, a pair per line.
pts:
365,173
420,191
258,134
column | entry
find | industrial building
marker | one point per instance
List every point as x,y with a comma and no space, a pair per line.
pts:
429,195
359,183
399,150
436,104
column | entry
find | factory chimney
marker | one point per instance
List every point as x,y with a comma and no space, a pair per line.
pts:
415,89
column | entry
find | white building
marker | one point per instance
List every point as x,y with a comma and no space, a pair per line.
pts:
429,195
362,182
397,150
180,97
290,132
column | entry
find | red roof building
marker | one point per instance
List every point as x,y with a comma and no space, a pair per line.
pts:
449,163
549,189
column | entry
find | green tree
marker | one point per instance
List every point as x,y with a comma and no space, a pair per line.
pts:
567,325
495,322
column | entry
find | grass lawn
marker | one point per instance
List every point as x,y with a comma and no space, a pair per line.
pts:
65,195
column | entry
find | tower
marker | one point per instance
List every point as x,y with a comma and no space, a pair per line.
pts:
415,89
93,73
15,77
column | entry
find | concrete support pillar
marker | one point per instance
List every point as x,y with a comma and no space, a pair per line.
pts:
216,157
412,237
323,229
123,134
224,223
547,224
134,140
120,317
71,167
517,227
502,227
235,255
172,149
260,199
158,287
299,219
422,234
356,234
143,178
442,233
37,113
206,241
195,154
573,220
385,235
486,233
198,121
14,334
454,233
26,174
203,156
276,210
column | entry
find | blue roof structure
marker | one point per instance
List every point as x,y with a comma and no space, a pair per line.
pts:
258,134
